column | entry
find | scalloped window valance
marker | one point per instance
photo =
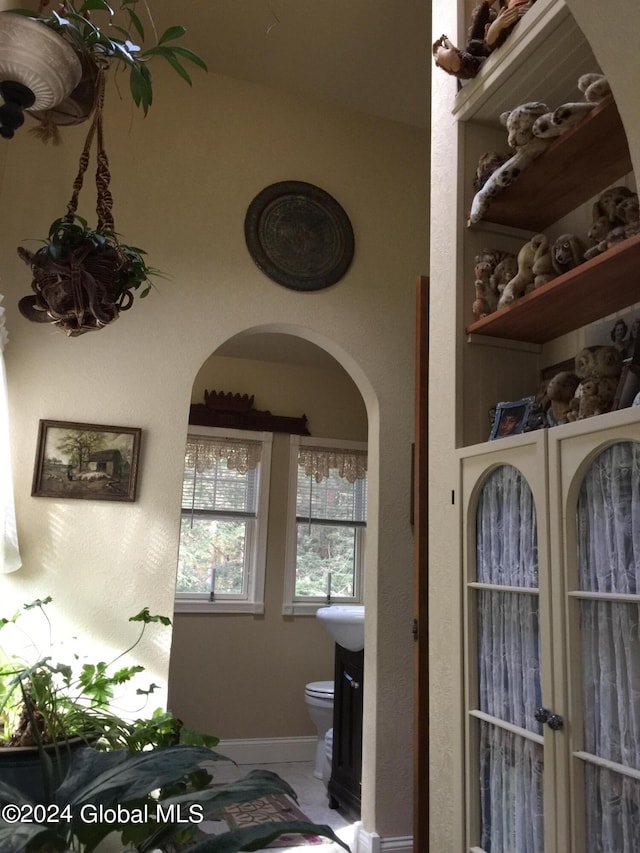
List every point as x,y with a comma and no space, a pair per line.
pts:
318,462
203,453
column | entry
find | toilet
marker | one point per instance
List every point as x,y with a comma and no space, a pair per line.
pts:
318,696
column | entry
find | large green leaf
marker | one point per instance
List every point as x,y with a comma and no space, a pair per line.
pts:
257,837
9,794
16,836
215,798
105,778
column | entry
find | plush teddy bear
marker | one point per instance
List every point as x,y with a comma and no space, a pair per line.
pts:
567,252
601,365
519,123
615,217
487,165
524,280
542,269
598,362
503,273
486,301
560,392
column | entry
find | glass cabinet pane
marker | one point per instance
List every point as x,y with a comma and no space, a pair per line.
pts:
511,775
609,522
507,546
608,545
508,665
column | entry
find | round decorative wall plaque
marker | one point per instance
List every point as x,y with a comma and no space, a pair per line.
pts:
299,235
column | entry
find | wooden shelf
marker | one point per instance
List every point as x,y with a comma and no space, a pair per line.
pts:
598,287
572,170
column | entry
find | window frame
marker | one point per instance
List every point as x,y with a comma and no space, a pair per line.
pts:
291,605
254,600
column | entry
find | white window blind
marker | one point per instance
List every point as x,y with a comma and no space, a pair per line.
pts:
223,527
327,521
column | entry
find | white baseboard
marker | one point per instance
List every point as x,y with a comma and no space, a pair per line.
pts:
371,842
273,750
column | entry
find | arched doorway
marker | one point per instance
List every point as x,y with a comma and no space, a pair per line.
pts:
242,676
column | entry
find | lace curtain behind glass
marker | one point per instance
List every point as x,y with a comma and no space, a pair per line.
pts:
509,665
9,553
608,524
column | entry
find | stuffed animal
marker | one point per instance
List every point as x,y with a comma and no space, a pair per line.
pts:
615,217
567,252
488,163
503,273
488,30
531,128
601,365
608,201
560,392
519,124
486,300
598,362
597,397
542,269
629,211
523,281
595,89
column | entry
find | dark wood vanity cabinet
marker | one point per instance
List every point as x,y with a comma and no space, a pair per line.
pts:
346,766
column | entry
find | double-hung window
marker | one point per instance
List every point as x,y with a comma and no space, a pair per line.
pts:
326,523
221,560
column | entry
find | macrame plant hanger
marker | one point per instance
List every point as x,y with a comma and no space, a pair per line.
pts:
81,293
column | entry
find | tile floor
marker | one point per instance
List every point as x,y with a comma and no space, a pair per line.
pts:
312,799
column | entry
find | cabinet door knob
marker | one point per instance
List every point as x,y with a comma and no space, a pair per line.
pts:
554,721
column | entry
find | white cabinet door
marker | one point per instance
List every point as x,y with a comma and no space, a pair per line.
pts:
511,794
596,491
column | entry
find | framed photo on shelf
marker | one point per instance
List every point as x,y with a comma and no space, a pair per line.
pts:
86,461
511,418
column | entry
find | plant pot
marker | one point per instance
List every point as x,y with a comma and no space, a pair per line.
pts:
76,108
81,293
21,767
38,69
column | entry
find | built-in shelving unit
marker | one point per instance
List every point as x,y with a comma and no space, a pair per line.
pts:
541,61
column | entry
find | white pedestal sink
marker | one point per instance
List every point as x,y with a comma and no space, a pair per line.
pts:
345,623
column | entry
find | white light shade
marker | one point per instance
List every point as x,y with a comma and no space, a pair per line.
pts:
36,56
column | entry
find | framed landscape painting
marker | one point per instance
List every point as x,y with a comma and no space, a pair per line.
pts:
86,461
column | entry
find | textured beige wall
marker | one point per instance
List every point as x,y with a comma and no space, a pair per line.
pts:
243,676
182,180
605,26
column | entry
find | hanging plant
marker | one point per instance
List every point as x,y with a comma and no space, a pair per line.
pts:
83,277
99,48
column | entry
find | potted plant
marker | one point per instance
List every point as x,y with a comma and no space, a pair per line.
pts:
83,277
48,707
142,778
121,43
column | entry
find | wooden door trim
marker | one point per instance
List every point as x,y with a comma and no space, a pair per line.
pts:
421,575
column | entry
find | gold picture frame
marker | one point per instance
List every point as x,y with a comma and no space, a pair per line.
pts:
86,461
